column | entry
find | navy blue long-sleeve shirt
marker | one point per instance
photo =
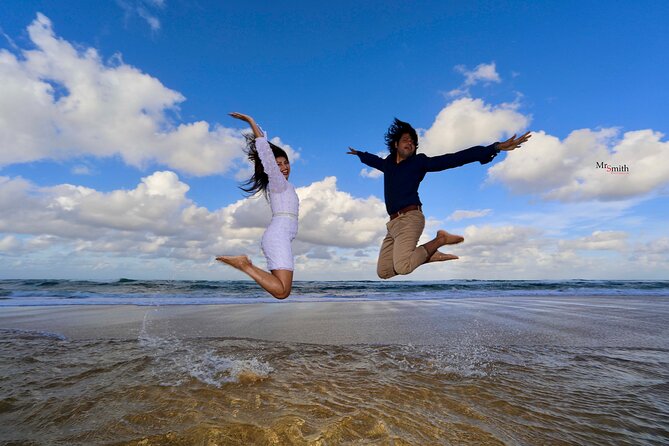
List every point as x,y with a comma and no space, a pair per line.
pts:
401,180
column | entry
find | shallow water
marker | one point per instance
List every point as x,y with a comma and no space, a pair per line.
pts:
167,390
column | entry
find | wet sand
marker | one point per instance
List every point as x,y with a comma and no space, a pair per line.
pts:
495,371
628,321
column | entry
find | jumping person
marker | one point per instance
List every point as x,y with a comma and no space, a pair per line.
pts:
270,177
403,170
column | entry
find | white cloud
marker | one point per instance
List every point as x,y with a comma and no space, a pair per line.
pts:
658,246
155,227
483,73
496,235
157,220
468,122
371,173
331,217
321,253
464,214
653,254
9,243
60,102
526,252
598,240
499,252
567,170
76,212
81,169
143,9
560,219
151,20
561,170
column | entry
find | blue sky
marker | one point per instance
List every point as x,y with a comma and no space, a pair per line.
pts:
118,159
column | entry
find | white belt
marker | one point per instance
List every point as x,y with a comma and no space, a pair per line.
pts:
285,214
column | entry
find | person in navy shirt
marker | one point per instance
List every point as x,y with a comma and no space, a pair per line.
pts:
403,170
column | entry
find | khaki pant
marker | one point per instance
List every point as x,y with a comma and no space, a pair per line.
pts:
399,254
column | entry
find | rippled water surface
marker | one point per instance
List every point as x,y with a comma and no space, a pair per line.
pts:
170,391
187,292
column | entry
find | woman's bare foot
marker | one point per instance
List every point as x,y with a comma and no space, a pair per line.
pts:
449,239
442,257
240,262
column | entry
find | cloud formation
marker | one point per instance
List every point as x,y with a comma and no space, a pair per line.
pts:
59,102
331,217
144,9
572,169
468,122
463,214
157,224
483,73
598,240
156,219
526,252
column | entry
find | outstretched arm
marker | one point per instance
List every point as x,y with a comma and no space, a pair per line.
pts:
482,154
252,123
367,158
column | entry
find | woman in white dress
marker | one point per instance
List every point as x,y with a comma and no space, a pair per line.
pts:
270,177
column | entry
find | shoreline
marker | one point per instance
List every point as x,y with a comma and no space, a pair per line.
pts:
633,321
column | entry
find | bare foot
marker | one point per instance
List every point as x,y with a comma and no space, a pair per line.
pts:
239,262
442,257
449,239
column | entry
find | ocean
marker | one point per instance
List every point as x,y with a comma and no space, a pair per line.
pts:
134,362
185,292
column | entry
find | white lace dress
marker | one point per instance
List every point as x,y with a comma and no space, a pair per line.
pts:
276,241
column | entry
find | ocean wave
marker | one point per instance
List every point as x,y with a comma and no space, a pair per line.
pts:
164,292
21,334
176,360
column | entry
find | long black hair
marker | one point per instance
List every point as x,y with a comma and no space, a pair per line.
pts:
259,180
395,132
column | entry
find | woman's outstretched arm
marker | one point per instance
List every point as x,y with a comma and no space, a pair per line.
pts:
252,123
